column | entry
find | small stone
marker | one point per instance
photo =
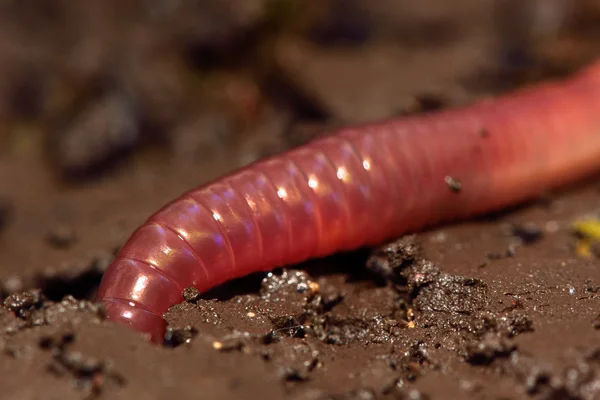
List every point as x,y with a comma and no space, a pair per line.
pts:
314,287
191,294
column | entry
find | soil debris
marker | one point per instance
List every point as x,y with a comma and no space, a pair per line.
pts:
32,309
23,304
390,260
87,373
491,347
528,233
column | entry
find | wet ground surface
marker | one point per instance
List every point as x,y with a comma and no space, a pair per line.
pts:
108,111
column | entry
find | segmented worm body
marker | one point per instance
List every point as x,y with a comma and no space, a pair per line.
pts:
357,187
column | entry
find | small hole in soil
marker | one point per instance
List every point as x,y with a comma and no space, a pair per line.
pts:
82,286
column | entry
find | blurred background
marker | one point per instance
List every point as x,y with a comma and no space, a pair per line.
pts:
109,109
81,82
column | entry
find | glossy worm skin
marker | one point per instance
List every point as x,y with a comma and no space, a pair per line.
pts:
356,187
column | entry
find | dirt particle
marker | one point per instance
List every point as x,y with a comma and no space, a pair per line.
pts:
426,102
175,337
449,293
326,299
58,340
454,184
390,260
191,294
63,310
484,133
17,351
527,233
514,323
23,304
61,237
289,285
511,251
32,309
237,341
491,347
217,345
86,372
338,330
286,326
294,361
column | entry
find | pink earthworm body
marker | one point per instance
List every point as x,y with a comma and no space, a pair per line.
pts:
356,187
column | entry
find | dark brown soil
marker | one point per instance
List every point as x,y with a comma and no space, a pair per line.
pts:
110,109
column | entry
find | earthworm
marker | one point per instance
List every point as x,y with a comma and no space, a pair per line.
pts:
357,187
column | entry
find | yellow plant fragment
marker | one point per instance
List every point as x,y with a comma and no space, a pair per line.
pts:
589,232
589,229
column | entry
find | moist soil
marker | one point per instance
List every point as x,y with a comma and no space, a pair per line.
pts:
108,110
